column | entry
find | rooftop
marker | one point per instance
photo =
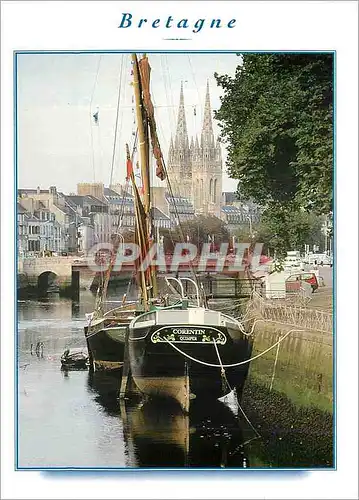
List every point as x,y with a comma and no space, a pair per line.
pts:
21,209
231,209
108,192
158,214
81,200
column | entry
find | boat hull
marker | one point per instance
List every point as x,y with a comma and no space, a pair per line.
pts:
106,337
158,369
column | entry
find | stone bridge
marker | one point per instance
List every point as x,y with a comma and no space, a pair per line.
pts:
74,274
63,272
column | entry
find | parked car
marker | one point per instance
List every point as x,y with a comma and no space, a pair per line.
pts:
293,282
320,259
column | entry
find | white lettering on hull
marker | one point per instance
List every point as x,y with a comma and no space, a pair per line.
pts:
188,335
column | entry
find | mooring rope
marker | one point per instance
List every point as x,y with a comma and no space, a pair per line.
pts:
223,373
233,365
274,367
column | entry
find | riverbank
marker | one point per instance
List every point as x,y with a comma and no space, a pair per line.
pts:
287,430
301,366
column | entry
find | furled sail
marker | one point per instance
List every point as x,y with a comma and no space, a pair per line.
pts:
145,72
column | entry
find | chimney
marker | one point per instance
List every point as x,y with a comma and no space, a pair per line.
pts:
38,190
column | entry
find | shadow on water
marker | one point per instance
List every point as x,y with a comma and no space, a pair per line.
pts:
158,434
105,388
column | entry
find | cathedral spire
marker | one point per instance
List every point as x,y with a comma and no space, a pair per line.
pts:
207,138
181,138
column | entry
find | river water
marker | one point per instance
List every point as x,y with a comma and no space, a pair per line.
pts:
74,419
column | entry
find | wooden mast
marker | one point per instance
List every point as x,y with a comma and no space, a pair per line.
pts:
140,236
143,136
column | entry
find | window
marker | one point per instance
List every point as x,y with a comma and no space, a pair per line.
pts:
33,246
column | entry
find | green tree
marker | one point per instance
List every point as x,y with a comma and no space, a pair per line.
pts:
276,116
281,230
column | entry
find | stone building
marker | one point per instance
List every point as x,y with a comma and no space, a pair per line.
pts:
38,232
239,214
195,167
95,189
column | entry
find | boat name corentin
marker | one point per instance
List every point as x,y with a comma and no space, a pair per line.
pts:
186,331
128,20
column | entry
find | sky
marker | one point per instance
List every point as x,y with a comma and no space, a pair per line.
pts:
57,94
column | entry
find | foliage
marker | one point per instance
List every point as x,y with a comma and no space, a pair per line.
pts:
276,116
282,229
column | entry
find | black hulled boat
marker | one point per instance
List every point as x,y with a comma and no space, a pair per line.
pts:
179,352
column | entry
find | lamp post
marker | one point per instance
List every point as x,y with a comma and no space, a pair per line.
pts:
233,241
250,225
121,238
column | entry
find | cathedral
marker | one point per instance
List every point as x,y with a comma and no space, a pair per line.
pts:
195,167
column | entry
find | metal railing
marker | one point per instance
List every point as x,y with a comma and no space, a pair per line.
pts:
303,317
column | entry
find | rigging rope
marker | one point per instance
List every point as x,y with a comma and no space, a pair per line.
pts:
223,371
100,300
116,124
169,85
178,219
195,82
124,92
91,100
175,208
274,368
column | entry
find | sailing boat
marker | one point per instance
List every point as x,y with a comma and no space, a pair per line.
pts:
106,331
177,351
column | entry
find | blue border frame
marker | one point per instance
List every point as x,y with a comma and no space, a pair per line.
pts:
286,471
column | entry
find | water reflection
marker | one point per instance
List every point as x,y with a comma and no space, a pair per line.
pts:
159,434
57,407
105,389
